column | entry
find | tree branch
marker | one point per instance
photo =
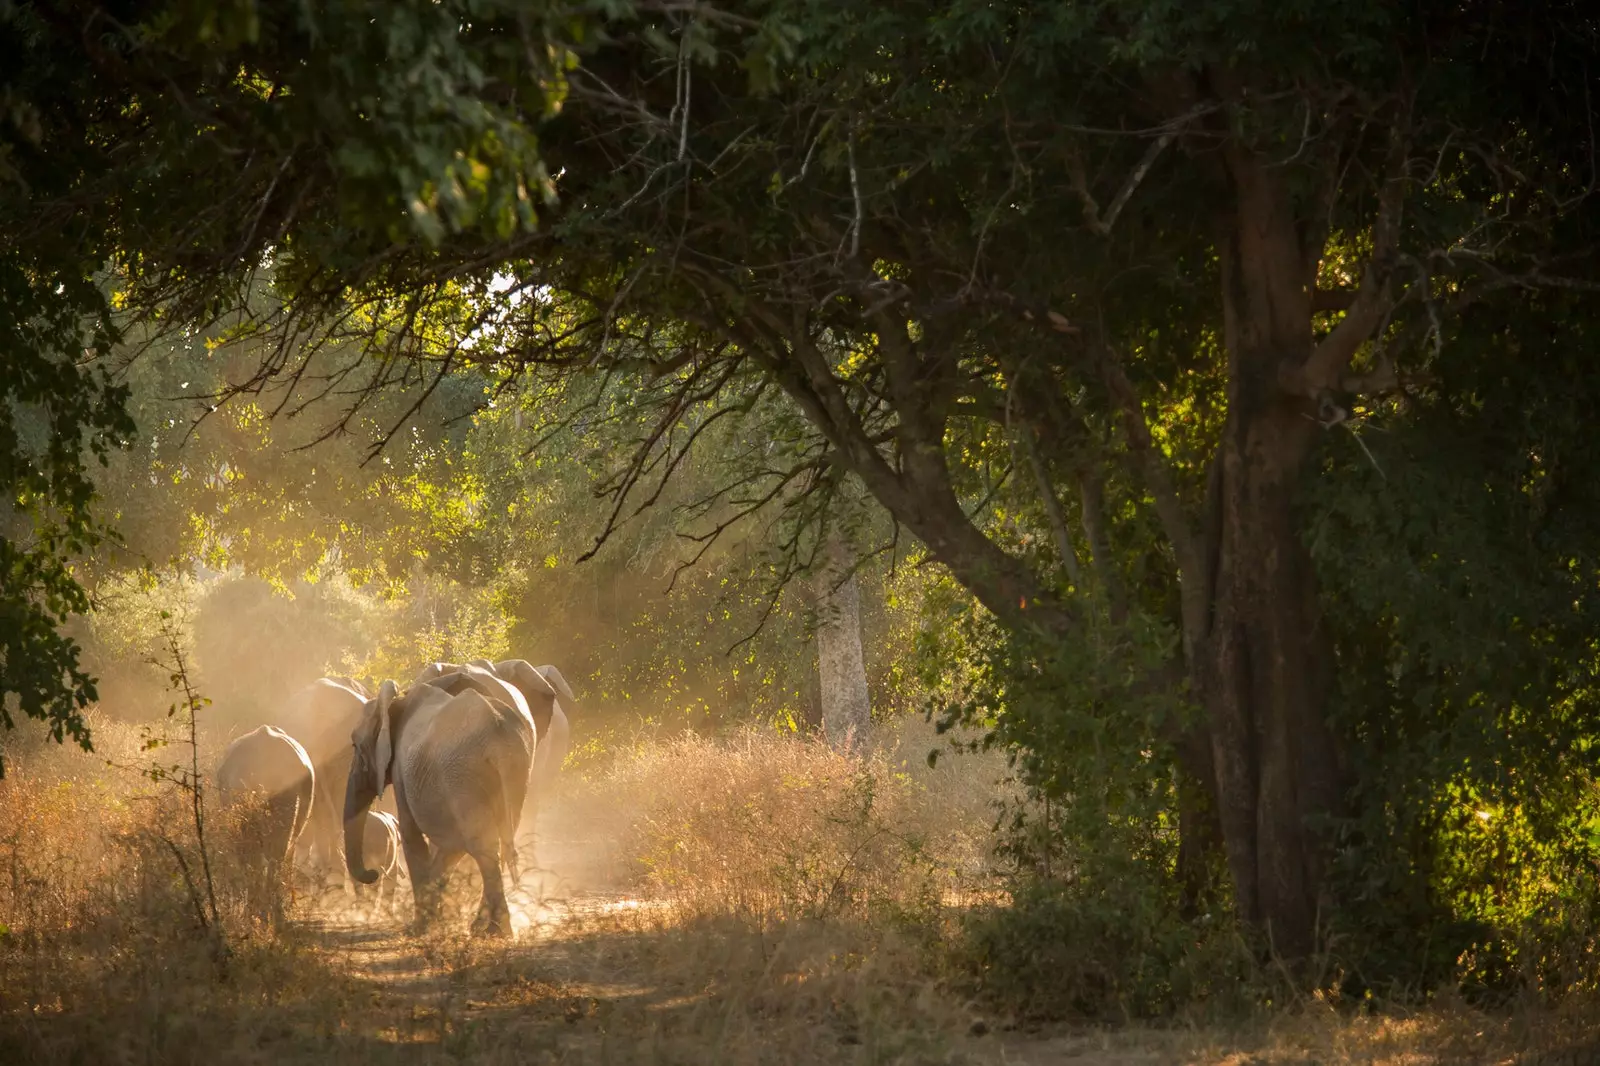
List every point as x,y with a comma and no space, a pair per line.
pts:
1101,226
1372,300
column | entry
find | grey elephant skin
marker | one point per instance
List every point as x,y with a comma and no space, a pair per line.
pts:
272,768
321,717
548,700
459,761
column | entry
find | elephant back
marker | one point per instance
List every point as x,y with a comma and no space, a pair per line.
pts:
473,677
537,689
265,760
445,733
321,717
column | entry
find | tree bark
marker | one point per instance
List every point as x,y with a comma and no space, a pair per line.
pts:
1262,665
841,669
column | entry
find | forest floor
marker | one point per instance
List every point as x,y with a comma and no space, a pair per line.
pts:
586,984
595,976
102,960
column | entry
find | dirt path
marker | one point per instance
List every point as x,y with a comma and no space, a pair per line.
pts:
583,984
454,999
593,977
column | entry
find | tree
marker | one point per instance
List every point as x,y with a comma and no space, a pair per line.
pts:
1153,254
842,672
1173,248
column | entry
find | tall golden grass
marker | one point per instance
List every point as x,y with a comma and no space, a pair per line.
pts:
767,827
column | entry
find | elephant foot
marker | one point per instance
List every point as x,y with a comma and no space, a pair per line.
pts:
493,929
490,924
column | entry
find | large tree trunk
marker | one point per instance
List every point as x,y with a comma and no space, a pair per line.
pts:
841,670
1263,662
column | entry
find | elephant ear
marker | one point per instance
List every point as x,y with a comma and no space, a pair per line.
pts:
383,748
521,673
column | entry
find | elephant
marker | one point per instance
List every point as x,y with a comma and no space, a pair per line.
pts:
550,701
546,696
270,767
380,846
321,717
459,761
353,685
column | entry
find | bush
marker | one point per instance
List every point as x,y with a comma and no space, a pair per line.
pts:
770,827
1108,952
93,885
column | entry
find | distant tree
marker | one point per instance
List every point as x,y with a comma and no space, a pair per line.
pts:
846,703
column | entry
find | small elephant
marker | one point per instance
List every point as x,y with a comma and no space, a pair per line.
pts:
380,847
459,762
270,767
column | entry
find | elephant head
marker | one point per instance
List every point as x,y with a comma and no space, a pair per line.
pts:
370,772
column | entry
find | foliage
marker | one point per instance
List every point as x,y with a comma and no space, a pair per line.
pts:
1108,948
772,829
314,630
185,145
1457,553
54,414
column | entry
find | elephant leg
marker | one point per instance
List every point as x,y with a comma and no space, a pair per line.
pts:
331,801
280,836
426,888
493,906
513,863
528,840
438,881
421,861
327,851
386,891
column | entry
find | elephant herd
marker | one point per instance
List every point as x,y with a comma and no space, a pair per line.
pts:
467,749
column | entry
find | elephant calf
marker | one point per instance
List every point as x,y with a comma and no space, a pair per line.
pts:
380,846
268,767
459,763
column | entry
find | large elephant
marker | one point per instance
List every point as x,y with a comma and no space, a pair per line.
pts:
547,698
459,762
270,768
321,717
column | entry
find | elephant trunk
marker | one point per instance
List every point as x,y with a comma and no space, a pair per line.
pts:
358,797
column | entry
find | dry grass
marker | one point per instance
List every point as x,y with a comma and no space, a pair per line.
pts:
750,901
768,828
